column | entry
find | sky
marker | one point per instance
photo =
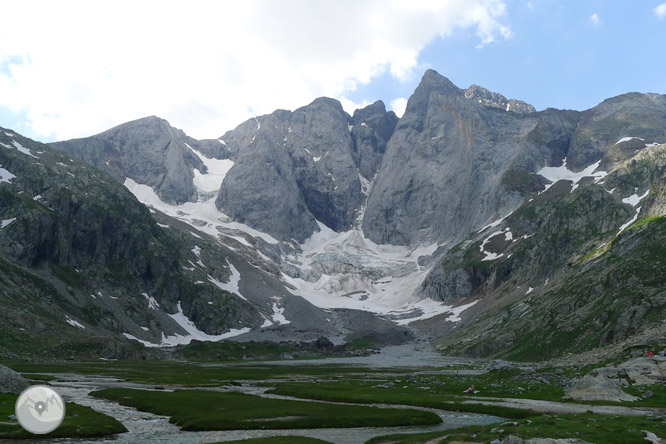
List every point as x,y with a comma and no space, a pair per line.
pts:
76,68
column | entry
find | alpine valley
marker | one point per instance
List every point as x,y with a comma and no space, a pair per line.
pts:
473,221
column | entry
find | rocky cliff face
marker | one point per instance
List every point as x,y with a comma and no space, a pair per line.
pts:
293,169
575,268
484,97
149,151
459,160
80,258
444,168
460,199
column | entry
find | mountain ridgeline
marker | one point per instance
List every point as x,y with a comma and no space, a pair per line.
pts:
544,225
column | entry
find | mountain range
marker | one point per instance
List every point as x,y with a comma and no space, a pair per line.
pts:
473,220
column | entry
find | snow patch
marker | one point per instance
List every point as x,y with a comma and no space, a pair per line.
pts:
278,315
6,222
649,436
555,174
383,278
428,308
633,219
152,303
74,323
495,223
6,176
233,285
23,150
193,213
455,312
529,290
216,172
197,252
635,199
627,139
193,332
489,256
145,343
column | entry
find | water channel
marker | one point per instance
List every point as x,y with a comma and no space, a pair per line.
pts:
146,428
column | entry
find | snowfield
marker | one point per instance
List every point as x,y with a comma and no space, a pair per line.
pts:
332,270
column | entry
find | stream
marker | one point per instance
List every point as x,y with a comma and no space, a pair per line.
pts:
148,428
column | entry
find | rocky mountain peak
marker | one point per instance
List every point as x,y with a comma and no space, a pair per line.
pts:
432,81
148,150
484,97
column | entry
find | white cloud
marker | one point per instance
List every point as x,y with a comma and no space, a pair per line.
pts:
660,11
595,20
80,67
530,6
398,106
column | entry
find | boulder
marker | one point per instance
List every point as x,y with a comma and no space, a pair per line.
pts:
11,382
644,370
601,384
499,364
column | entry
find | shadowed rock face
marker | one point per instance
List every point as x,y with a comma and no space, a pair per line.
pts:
458,160
628,115
148,150
371,131
443,171
484,97
293,168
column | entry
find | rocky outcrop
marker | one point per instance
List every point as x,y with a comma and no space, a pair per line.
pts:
444,170
261,188
11,382
149,151
603,384
293,169
81,258
372,128
484,97
627,115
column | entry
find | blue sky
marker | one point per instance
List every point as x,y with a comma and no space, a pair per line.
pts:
206,66
557,56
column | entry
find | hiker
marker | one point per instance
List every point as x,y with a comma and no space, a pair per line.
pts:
456,375
470,389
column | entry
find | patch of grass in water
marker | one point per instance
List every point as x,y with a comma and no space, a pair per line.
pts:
436,391
278,440
79,422
38,377
196,410
187,374
593,428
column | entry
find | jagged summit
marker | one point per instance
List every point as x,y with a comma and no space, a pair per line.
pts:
360,211
484,97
